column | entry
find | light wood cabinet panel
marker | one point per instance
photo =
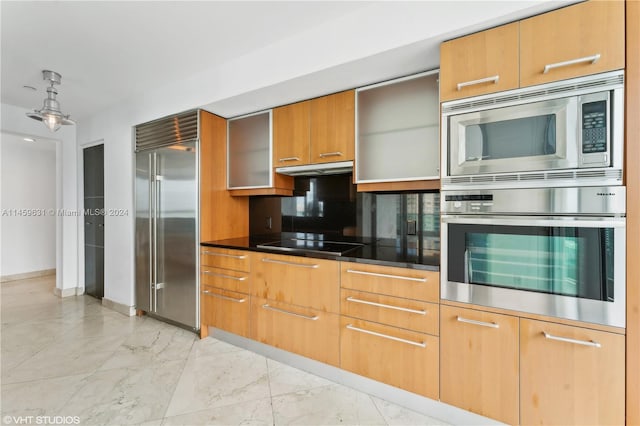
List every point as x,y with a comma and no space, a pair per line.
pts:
479,362
296,280
476,57
578,31
401,358
226,279
400,282
226,310
333,127
303,331
404,313
565,382
221,215
224,258
291,134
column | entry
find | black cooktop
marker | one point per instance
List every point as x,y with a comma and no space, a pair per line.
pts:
337,248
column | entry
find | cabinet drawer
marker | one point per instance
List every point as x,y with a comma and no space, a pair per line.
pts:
398,357
400,282
571,375
404,313
307,332
296,280
224,258
582,39
225,279
479,368
226,310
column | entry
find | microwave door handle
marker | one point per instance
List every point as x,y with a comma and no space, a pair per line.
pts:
467,267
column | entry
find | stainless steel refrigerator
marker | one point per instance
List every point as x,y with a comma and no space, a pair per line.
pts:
167,219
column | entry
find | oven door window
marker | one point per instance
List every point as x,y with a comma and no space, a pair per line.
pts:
568,261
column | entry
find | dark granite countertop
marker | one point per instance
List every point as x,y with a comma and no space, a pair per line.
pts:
382,251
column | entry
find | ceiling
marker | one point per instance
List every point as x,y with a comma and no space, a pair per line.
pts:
110,51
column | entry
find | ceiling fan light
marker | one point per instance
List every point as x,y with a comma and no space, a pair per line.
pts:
50,113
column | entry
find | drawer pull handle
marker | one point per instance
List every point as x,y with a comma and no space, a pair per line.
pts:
282,311
593,59
382,305
233,256
591,343
493,78
219,296
375,274
282,160
231,277
330,154
284,262
386,336
482,323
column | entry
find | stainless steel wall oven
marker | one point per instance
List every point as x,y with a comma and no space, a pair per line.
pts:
551,251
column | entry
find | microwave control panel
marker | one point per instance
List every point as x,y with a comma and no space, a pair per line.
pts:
594,133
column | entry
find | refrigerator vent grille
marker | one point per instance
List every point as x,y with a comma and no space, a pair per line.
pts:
176,129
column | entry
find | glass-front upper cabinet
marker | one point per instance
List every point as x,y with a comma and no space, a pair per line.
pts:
397,130
249,151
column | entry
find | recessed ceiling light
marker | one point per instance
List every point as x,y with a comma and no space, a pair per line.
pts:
29,87
28,139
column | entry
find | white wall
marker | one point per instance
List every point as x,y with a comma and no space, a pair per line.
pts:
28,181
371,32
13,120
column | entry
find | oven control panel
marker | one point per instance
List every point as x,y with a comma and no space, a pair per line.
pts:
574,201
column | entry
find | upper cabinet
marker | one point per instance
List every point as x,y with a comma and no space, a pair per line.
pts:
250,170
249,147
319,130
291,134
479,63
398,130
333,127
583,39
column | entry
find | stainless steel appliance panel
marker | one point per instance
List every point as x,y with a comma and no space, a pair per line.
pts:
143,231
576,201
609,310
176,198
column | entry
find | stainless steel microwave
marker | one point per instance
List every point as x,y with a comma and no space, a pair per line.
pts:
567,133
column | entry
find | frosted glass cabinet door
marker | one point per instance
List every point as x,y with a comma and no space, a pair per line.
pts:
397,134
249,151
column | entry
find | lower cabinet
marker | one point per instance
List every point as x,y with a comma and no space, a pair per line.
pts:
398,357
571,375
479,362
226,310
305,331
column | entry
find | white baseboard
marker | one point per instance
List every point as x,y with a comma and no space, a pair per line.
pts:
428,407
27,275
67,292
119,307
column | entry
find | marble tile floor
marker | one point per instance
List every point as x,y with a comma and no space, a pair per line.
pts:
73,357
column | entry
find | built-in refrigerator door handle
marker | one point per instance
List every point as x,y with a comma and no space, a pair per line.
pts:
151,227
155,196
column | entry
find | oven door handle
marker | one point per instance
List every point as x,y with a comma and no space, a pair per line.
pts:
560,222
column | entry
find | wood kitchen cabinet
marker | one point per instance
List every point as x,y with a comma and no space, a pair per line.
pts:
305,331
397,135
398,357
302,281
479,362
571,375
414,284
582,39
224,294
480,63
292,134
319,130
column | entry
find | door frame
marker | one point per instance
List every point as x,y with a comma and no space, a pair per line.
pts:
81,257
